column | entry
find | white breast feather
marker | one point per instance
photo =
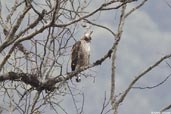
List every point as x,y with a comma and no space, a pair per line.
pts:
87,47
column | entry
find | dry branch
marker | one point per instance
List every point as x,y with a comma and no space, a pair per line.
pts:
140,76
165,108
34,81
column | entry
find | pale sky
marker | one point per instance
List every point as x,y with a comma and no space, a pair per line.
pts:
146,38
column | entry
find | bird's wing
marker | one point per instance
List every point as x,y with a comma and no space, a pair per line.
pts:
75,54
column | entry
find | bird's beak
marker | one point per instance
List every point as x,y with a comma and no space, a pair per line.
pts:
90,35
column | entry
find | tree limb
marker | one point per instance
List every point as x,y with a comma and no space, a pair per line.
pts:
140,76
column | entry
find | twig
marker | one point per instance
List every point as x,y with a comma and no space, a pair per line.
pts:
168,4
137,7
140,76
35,101
101,26
74,101
165,108
151,87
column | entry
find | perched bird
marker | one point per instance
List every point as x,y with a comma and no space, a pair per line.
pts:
80,53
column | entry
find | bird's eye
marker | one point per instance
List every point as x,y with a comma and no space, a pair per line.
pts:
87,39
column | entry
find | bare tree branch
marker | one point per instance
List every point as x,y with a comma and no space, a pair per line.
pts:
167,3
165,108
137,7
157,85
34,51
140,76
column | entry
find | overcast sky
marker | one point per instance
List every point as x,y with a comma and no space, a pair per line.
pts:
146,38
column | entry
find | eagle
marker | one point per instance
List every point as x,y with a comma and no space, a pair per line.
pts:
80,53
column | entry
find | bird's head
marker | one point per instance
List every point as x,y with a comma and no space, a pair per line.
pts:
87,36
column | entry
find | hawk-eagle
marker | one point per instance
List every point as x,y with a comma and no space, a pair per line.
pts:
80,53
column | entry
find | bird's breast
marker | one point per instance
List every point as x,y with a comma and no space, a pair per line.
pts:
87,47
